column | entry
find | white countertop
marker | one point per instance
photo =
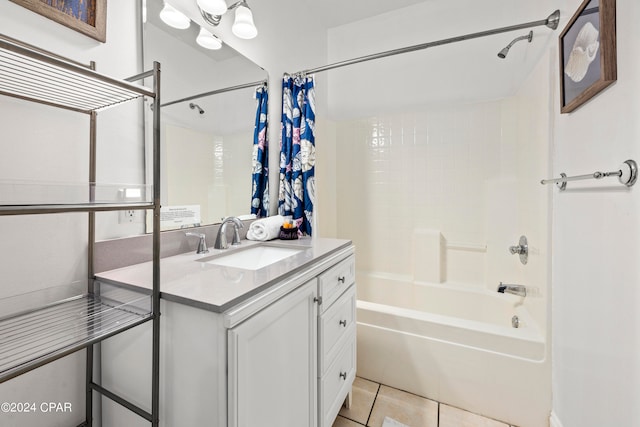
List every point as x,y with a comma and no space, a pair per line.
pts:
186,280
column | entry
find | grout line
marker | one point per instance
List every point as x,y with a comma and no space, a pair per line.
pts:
372,405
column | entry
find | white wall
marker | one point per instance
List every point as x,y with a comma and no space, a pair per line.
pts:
42,143
596,327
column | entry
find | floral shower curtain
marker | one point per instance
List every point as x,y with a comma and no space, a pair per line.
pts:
260,157
297,152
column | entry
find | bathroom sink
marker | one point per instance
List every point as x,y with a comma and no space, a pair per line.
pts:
253,258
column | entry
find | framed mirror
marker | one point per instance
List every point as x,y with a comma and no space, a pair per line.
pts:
208,112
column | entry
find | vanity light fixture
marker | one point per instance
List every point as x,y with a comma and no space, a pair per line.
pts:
213,7
176,19
243,26
173,17
208,40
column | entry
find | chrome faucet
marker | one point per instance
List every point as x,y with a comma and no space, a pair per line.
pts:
513,289
202,243
221,238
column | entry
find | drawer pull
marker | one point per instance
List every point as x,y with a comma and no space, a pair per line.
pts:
341,279
343,375
343,323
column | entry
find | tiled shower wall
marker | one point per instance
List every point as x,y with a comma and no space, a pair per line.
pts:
435,170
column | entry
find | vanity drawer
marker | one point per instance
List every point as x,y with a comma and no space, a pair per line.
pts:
333,282
337,382
335,324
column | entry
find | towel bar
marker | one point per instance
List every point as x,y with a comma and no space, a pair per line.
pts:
627,174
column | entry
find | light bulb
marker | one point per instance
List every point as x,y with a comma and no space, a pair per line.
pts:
174,18
208,40
214,7
243,26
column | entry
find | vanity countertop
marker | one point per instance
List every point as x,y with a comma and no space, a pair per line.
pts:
216,288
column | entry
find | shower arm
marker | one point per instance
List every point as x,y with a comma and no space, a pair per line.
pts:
551,22
517,39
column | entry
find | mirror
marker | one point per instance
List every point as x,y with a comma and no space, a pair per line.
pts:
206,142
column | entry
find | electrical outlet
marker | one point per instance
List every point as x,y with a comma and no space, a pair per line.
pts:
126,217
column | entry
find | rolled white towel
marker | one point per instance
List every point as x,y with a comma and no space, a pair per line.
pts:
266,228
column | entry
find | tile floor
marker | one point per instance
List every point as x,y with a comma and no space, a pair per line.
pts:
372,402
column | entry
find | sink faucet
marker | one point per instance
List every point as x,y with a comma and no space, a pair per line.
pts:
202,243
513,289
221,238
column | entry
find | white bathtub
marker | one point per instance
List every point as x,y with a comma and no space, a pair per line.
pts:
455,345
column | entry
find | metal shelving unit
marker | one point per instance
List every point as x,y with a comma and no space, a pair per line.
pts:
48,329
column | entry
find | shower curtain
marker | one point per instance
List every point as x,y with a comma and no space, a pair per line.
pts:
260,157
297,151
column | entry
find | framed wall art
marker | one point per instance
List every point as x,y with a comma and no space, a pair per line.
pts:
88,17
587,53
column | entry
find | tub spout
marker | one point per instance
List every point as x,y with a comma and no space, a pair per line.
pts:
519,290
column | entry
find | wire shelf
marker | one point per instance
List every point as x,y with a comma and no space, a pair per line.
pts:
35,337
21,197
31,75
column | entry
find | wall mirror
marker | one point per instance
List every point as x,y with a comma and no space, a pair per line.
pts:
207,142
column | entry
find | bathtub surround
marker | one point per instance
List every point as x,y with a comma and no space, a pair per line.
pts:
429,252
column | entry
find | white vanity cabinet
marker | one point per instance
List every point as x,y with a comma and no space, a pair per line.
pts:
272,364
282,357
279,357
336,339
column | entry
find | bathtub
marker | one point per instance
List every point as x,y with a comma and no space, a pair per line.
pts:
456,345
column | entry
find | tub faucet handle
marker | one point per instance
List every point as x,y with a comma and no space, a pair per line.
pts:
519,290
522,249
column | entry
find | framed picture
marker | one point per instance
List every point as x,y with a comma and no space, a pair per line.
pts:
587,53
88,17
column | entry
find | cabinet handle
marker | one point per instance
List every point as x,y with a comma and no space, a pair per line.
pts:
341,279
343,375
343,323
317,300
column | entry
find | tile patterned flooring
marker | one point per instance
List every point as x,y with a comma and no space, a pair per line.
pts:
372,402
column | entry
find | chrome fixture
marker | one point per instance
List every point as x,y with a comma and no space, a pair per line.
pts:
202,243
551,22
176,19
515,321
243,26
221,238
521,249
194,106
627,174
519,290
503,53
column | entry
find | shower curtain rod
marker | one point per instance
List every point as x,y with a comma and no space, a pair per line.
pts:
216,92
551,22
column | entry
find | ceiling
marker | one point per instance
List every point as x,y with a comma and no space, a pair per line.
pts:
332,13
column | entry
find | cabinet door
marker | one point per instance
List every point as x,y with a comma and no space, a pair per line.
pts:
272,364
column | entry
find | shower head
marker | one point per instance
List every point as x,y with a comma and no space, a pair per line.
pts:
194,106
503,53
